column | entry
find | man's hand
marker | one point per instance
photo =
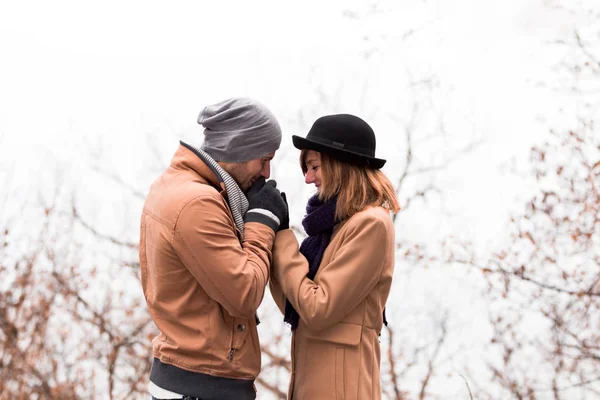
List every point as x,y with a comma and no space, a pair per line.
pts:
285,222
266,205
255,188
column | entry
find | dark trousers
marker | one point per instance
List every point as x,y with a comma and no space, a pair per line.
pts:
180,398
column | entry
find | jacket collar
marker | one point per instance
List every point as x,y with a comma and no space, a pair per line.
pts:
185,158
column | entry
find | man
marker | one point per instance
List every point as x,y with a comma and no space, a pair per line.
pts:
205,253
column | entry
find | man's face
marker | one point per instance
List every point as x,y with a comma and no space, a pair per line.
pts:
245,174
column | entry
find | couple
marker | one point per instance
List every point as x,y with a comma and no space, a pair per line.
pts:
213,233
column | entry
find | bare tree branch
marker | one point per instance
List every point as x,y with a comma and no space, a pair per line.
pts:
117,179
468,387
430,363
95,232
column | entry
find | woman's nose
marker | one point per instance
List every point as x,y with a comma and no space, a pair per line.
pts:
309,178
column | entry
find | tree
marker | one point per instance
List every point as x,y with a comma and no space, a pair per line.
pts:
545,282
70,327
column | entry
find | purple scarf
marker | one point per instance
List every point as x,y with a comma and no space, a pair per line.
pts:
318,224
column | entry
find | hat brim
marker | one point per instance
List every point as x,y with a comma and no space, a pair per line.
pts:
344,155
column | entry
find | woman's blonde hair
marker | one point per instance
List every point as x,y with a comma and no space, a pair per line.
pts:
356,187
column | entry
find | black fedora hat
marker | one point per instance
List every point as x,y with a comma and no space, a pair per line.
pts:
343,136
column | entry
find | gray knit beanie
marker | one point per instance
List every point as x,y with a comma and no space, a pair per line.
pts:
239,130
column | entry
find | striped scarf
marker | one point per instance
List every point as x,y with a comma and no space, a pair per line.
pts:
238,203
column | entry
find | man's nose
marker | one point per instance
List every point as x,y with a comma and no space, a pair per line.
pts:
266,171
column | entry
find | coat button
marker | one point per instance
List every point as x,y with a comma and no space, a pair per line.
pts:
241,327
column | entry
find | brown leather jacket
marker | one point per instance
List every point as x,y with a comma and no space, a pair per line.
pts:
202,285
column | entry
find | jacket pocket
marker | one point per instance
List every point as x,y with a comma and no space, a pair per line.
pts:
330,356
340,333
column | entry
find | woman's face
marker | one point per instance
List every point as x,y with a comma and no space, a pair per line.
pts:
313,169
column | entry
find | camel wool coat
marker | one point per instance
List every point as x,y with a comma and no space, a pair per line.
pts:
335,349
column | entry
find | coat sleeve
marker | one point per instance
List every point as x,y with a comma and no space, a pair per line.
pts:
275,286
234,275
354,271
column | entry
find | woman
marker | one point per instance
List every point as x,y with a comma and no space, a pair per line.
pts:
333,289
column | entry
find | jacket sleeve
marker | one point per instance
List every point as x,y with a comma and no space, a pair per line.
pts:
234,275
275,287
354,271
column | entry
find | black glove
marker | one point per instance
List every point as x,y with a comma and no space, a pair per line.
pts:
266,205
285,222
255,188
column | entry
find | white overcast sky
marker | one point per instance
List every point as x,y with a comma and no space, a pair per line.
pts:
76,75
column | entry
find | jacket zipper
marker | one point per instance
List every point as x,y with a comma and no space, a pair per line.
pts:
232,350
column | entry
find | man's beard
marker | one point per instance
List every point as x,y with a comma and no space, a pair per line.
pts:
238,173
